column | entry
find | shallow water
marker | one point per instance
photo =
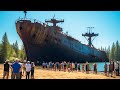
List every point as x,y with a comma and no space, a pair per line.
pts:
100,66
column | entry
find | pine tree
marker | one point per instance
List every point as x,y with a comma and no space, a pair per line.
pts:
5,48
112,54
23,54
116,51
12,51
16,49
108,52
13,46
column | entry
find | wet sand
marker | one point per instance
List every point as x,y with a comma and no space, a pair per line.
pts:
48,74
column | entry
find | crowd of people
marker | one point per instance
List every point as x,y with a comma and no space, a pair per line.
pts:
26,68
70,67
18,69
109,69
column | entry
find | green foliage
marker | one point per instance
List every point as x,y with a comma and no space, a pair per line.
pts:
108,52
10,52
116,51
22,54
16,49
112,54
5,48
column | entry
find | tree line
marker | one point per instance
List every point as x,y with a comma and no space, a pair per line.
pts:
113,52
10,51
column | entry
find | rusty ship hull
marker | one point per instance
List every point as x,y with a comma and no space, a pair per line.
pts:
48,43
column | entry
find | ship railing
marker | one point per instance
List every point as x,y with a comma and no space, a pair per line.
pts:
30,19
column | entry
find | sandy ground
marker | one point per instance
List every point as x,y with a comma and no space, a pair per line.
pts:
47,74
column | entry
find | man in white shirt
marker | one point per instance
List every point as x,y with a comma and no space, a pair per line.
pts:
28,69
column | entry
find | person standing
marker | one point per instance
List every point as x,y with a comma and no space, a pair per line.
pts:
111,68
83,67
87,68
59,66
65,66
24,69
54,66
79,68
105,69
11,69
6,69
28,69
16,69
117,68
95,68
75,66
32,70
62,64
20,69
68,66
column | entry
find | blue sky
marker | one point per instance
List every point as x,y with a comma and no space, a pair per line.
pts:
106,23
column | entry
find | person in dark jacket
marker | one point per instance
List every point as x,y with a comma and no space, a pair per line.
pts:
32,70
111,68
6,69
105,69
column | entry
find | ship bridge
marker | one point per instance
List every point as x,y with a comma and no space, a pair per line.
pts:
54,22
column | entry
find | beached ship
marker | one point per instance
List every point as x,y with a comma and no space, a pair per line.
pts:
43,42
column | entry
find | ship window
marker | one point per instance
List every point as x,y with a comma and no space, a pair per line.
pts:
20,27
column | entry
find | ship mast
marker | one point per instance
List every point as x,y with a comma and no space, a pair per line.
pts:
90,34
54,21
25,12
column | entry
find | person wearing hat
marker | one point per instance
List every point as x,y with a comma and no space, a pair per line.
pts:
16,69
6,69
28,69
